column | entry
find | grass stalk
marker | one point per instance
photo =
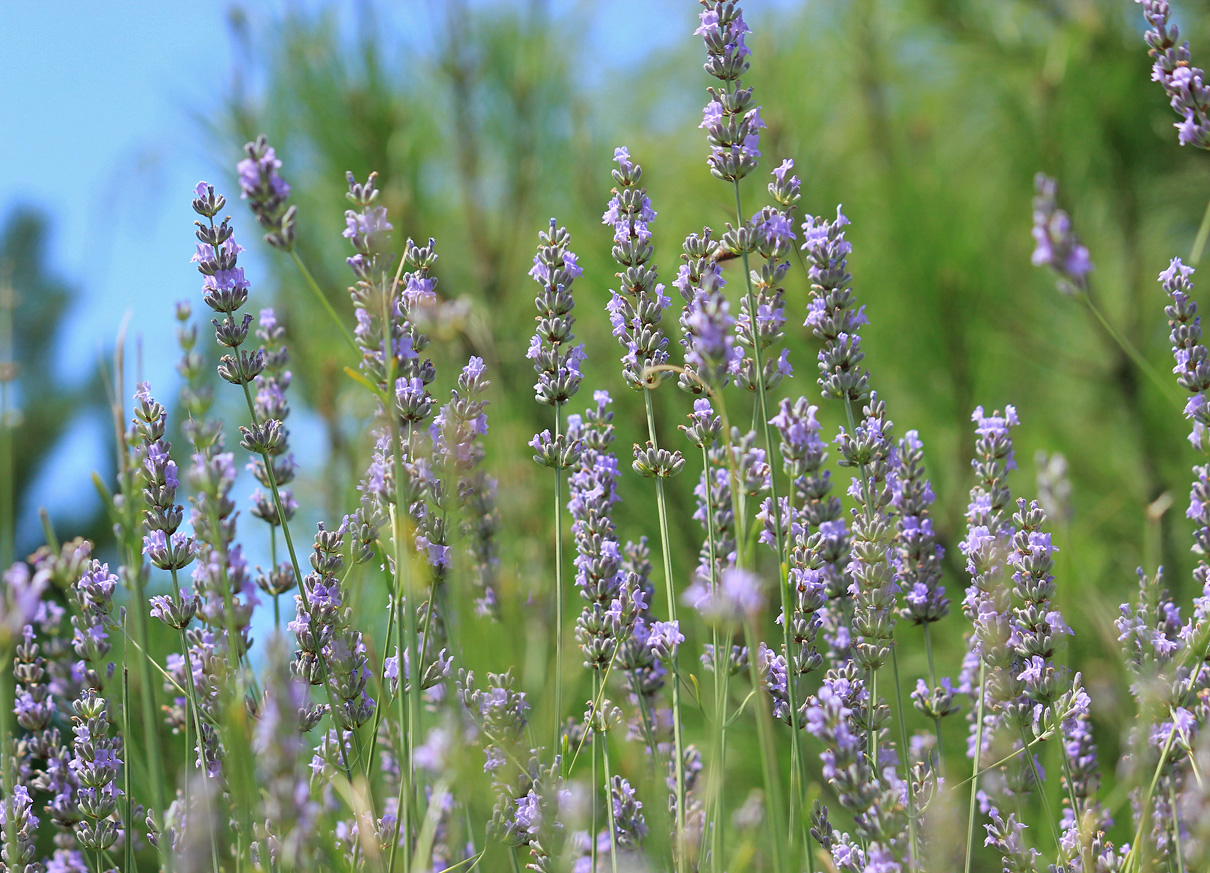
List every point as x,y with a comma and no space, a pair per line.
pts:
670,594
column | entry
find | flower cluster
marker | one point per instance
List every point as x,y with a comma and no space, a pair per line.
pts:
636,312
1173,69
556,360
266,193
1056,244
732,122
831,314
1192,360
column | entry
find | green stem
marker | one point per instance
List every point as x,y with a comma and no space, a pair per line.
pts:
1050,819
151,731
970,816
1203,232
559,595
128,845
903,739
722,675
613,825
764,720
1126,346
8,694
783,588
1176,827
323,300
592,834
928,649
670,595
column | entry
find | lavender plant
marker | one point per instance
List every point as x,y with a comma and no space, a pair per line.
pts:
352,733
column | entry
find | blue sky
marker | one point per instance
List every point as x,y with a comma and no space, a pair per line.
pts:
100,102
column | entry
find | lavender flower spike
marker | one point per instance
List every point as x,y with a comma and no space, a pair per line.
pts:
1057,244
637,310
1192,360
266,193
732,123
556,360
1173,69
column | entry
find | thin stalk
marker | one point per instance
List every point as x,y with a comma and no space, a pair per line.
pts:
1176,828
151,732
783,587
323,300
970,816
128,845
8,694
559,594
406,621
928,649
613,825
273,565
1050,819
1131,352
666,549
764,720
592,834
1203,232
383,680
903,739
722,675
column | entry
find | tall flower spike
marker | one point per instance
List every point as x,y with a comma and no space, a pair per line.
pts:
266,193
831,314
1057,245
772,237
1192,360
636,312
556,360
225,290
271,404
707,326
1173,69
732,123
919,551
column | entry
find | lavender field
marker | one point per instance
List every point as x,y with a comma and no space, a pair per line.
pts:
787,454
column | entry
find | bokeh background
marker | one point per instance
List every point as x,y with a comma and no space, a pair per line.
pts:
927,119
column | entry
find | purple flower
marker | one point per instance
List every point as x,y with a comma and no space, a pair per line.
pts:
832,315
1057,245
664,638
730,118
636,310
740,595
1173,69
1192,359
266,193
556,360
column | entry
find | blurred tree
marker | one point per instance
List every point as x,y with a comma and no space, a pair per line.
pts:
37,409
